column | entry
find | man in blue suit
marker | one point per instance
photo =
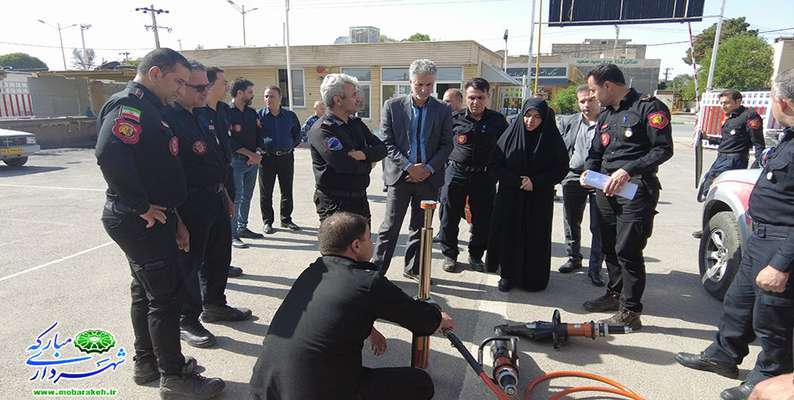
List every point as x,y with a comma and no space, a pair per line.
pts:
417,131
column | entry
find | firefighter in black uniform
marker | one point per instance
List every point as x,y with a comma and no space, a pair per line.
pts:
314,342
205,214
476,129
217,111
743,128
138,155
343,151
632,139
760,301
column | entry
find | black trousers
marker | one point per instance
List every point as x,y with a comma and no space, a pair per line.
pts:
574,200
399,198
772,313
152,256
283,168
329,202
480,187
626,226
204,269
723,162
395,384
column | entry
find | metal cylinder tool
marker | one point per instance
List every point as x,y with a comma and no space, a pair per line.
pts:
420,345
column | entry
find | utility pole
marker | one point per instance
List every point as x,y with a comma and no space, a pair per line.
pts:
527,90
83,28
667,73
505,66
154,27
615,46
286,40
715,49
241,9
60,38
180,44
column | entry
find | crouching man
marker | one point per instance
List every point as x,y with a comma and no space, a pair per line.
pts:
313,347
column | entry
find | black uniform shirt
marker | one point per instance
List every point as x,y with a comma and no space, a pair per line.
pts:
137,151
330,140
475,140
636,137
245,129
220,119
313,346
772,199
741,129
199,149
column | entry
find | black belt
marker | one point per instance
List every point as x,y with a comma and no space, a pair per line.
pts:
349,194
278,153
467,168
763,230
214,188
118,207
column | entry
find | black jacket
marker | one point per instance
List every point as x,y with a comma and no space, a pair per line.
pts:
138,152
313,346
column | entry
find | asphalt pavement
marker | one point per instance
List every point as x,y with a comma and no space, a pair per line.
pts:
57,265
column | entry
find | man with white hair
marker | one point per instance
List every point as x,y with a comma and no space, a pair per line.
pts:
417,131
760,301
343,150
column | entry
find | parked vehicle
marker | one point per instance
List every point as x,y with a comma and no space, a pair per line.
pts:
16,147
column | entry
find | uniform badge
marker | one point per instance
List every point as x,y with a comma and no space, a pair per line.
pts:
628,133
333,144
658,120
128,132
199,147
237,128
462,139
211,127
733,132
131,113
605,138
754,123
173,146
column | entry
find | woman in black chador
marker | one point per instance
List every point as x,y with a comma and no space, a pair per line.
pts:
529,159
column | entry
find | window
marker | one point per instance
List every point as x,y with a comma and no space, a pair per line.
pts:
394,83
448,78
298,99
364,76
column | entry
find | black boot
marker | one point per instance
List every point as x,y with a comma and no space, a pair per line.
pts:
190,386
703,363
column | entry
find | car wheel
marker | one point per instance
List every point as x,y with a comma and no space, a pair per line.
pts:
16,162
720,253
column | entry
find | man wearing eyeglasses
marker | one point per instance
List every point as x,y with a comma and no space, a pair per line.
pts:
206,214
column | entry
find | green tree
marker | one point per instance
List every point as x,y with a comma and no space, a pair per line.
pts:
418,37
22,61
743,63
683,86
565,100
704,41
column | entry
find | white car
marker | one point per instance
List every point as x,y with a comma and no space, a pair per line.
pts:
16,147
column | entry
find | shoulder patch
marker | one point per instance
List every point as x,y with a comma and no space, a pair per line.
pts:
754,123
128,132
334,144
130,113
658,120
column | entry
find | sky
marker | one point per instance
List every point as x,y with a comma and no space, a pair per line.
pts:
116,27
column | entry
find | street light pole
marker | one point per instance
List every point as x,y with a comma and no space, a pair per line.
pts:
83,28
58,27
715,48
286,37
241,9
63,53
